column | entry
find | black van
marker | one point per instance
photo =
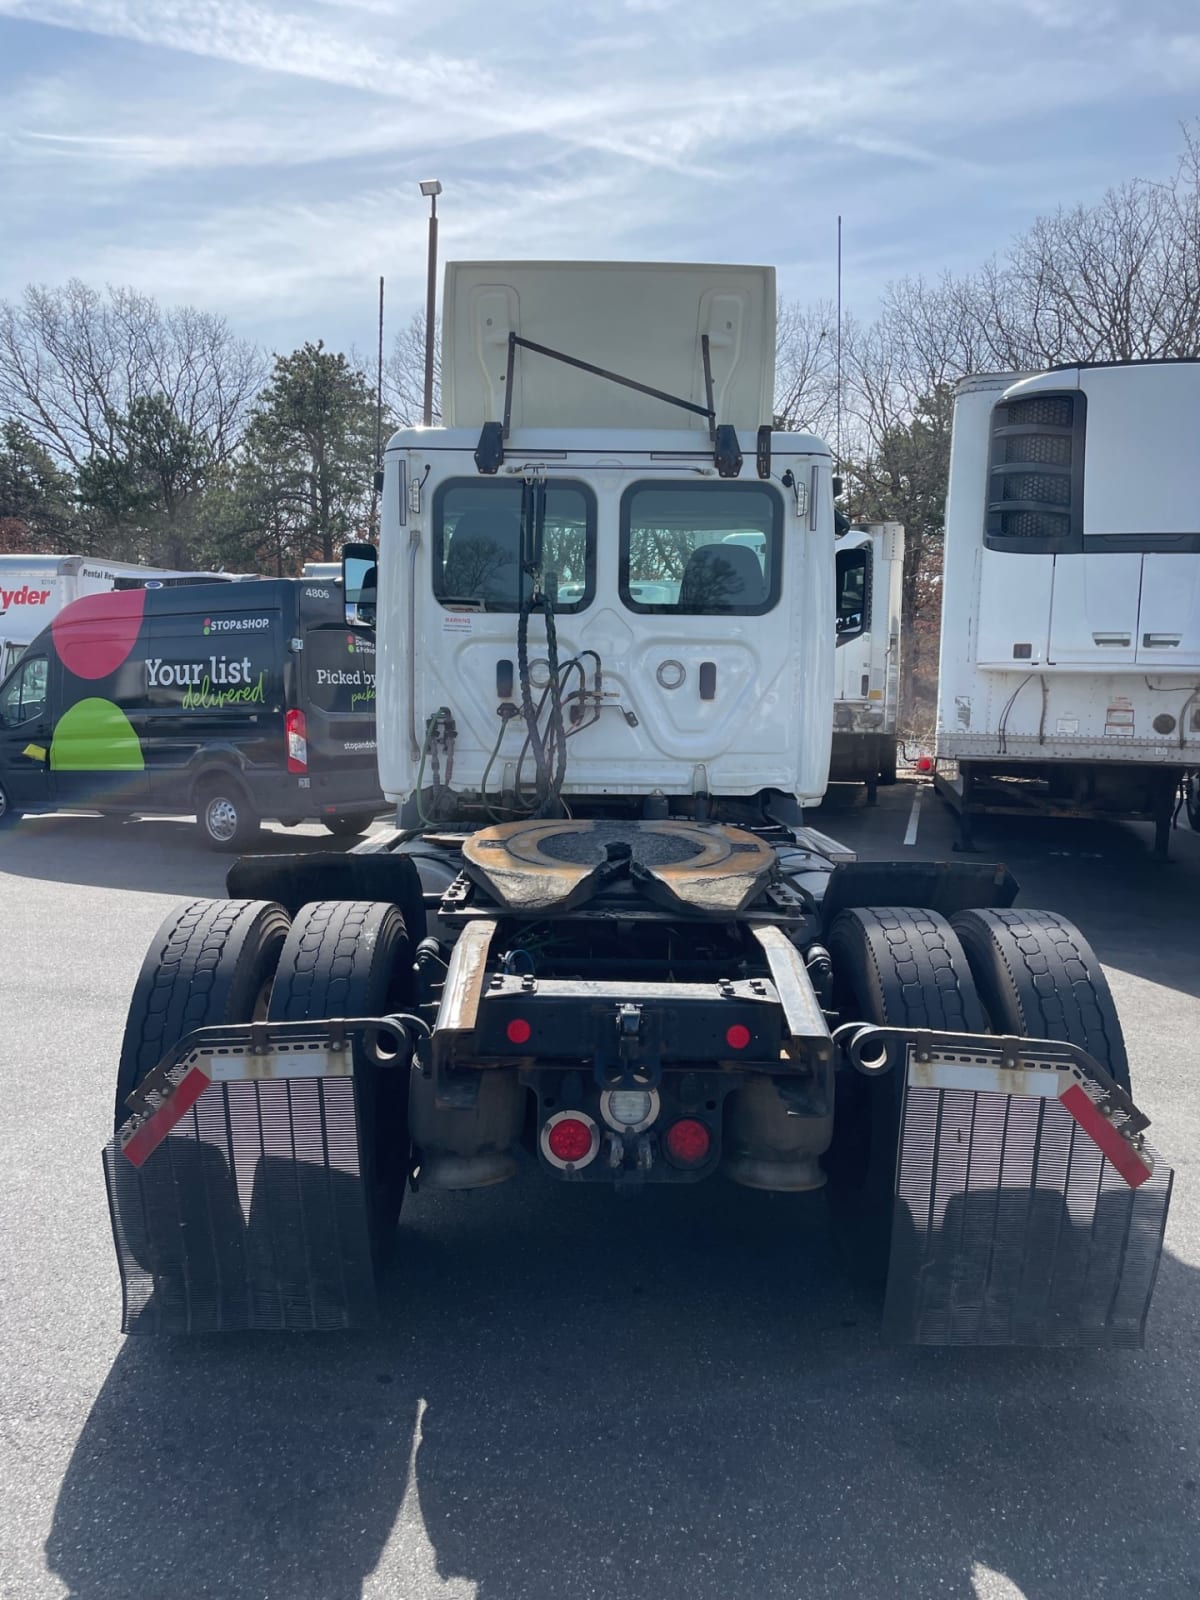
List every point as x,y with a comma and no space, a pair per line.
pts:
236,701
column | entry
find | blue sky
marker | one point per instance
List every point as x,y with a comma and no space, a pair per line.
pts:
260,157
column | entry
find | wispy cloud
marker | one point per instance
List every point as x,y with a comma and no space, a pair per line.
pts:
261,155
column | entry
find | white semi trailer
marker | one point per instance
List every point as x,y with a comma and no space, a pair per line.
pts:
870,591
602,944
1070,654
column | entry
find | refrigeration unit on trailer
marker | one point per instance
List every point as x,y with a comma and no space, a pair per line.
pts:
870,590
1070,655
33,589
605,945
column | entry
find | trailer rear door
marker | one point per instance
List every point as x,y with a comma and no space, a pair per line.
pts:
1094,609
1169,616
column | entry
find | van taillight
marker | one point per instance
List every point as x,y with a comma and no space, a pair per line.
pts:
297,742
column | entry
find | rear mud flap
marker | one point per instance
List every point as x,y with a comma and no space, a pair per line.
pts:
249,1214
1012,1228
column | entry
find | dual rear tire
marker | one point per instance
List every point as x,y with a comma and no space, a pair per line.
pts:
234,961
352,958
1028,973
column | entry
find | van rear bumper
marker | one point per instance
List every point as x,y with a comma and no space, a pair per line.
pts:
323,794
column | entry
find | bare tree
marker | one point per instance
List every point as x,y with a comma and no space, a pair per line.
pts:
806,367
404,373
75,361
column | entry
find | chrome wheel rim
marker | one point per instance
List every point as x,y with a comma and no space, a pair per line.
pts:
221,818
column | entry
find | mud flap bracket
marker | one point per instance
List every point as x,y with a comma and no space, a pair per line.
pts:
1029,1208
236,1188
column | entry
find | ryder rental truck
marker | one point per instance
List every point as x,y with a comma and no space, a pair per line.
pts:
34,589
603,944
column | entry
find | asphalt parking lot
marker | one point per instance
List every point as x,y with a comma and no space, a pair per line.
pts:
679,1396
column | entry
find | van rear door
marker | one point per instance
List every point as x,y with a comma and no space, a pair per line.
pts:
338,678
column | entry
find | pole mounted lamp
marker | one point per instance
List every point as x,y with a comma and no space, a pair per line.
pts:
430,188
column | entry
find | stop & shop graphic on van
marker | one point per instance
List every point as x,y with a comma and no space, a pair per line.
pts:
139,664
340,672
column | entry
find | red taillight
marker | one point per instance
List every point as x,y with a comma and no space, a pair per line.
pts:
737,1037
688,1142
518,1031
570,1139
297,741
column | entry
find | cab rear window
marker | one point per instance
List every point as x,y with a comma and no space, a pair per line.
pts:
716,551
478,545
339,671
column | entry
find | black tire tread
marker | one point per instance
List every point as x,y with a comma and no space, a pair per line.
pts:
902,966
347,958
331,966
201,965
916,972
1040,977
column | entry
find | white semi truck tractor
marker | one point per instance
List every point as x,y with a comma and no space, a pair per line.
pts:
601,945
866,696
1070,654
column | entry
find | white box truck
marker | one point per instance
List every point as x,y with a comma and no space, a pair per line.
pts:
34,589
866,672
1070,654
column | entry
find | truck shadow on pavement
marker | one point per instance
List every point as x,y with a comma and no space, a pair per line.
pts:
675,1397
160,854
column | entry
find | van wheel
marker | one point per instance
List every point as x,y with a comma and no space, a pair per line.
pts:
352,958
224,815
346,827
212,961
8,814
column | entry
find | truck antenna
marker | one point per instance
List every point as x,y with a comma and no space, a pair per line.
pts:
379,388
378,480
838,440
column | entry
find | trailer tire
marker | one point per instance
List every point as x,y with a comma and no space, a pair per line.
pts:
891,965
353,958
1191,799
211,961
347,827
1038,976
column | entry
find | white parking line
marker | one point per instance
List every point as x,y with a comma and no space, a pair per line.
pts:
914,817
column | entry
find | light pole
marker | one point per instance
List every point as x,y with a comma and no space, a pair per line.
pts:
432,188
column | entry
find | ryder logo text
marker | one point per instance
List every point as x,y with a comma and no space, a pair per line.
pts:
24,596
